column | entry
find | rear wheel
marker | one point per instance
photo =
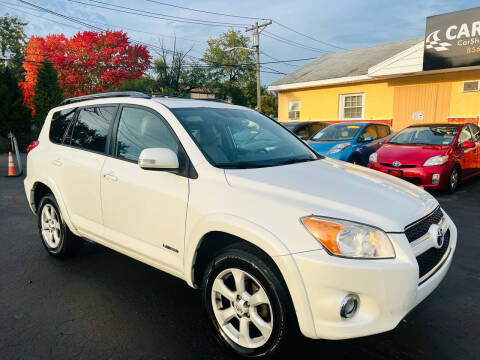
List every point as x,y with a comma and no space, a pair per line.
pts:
454,179
247,302
57,238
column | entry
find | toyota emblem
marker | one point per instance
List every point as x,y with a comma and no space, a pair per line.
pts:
397,163
440,238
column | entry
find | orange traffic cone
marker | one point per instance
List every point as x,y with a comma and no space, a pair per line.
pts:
11,167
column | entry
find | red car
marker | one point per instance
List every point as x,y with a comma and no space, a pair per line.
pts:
435,156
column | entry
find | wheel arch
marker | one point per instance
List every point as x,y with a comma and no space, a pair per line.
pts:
41,187
224,230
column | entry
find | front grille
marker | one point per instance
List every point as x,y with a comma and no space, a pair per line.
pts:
430,258
399,167
420,227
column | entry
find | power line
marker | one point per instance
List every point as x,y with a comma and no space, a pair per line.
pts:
308,36
205,11
293,43
273,58
133,11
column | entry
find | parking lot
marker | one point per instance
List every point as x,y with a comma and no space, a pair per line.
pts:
103,305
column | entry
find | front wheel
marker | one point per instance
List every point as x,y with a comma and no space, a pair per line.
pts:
247,302
454,180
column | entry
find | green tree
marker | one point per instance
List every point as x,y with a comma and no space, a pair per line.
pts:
14,116
269,103
231,65
145,84
48,94
12,42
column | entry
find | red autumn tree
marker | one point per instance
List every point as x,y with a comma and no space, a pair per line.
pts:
88,62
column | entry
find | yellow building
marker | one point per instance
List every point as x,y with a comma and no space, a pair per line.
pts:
382,83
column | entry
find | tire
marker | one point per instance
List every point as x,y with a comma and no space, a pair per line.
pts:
260,278
454,179
56,237
355,160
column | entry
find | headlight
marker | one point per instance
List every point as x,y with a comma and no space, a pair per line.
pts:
373,157
436,160
337,148
348,239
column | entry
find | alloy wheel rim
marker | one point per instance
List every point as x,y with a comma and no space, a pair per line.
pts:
454,179
242,308
51,230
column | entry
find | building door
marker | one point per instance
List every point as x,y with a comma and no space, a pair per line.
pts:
421,103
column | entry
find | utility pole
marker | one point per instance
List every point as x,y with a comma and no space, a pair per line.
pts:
256,46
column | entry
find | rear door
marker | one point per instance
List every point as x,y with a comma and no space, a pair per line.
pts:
81,160
468,157
144,211
475,130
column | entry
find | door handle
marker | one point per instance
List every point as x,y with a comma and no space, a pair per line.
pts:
110,177
56,162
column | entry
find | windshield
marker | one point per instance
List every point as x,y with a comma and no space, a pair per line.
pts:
337,133
238,138
426,135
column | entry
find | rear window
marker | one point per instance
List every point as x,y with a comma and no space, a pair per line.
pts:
59,125
92,126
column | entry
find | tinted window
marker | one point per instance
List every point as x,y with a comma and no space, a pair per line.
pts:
141,129
240,138
91,128
475,132
382,131
317,127
465,135
302,131
370,130
60,121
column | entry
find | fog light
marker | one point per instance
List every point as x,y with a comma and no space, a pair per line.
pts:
435,178
349,306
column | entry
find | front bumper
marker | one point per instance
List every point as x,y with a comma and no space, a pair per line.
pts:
388,289
421,176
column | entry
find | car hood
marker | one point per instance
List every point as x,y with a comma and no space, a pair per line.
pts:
322,147
337,189
409,154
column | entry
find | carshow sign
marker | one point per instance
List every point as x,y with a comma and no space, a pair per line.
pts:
452,40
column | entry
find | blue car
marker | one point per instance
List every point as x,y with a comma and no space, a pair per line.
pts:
350,141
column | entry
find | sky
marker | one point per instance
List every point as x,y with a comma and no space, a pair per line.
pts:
325,25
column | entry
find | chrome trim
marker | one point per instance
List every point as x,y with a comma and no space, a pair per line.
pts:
435,268
420,240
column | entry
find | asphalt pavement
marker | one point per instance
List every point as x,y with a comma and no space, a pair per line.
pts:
104,305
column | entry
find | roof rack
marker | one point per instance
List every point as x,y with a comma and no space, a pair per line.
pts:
134,94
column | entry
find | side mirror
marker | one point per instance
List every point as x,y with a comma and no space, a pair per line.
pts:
158,159
467,145
367,139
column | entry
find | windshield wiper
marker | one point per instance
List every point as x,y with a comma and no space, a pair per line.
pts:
294,161
241,165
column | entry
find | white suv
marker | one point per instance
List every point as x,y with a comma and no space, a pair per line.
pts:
277,237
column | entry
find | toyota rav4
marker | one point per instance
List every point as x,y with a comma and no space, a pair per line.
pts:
278,238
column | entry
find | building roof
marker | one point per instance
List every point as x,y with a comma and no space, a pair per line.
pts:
346,63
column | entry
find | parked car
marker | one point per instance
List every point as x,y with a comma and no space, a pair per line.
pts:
351,141
305,129
435,156
276,237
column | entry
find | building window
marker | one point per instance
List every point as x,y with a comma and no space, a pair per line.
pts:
352,106
470,86
294,110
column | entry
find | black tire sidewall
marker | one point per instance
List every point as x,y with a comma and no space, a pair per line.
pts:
450,189
269,282
61,249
